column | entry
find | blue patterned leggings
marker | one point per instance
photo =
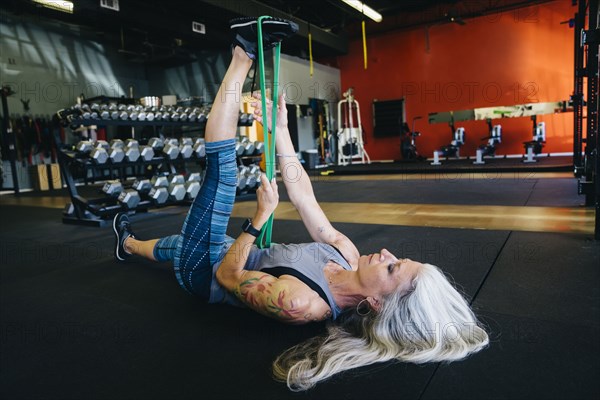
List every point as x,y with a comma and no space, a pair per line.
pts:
199,246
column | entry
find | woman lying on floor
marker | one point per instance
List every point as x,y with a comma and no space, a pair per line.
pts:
384,307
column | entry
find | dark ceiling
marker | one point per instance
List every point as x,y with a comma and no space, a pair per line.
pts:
160,32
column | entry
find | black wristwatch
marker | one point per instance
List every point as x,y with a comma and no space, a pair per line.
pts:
248,228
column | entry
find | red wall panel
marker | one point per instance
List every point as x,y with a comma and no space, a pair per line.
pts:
510,58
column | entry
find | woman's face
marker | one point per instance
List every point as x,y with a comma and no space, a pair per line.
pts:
383,273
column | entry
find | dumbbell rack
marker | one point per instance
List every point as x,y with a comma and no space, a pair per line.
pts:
97,211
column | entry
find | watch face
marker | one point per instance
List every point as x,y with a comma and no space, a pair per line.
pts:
248,228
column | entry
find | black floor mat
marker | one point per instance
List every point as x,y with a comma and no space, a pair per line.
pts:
74,324
546,276
528,358
466,192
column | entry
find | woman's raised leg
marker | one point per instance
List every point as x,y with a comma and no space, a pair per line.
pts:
204,229
224,114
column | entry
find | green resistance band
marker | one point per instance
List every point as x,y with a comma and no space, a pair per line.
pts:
264,240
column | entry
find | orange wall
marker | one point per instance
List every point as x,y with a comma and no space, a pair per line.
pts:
510,58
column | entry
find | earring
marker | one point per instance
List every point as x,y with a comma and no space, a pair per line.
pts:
358,307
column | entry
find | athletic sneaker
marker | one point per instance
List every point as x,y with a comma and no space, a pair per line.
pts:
274,30
122,229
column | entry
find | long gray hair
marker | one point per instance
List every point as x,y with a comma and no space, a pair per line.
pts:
431,323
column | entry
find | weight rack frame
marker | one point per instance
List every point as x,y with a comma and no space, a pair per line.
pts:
587,168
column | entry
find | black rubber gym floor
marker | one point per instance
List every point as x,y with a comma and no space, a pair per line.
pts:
518,190
76,325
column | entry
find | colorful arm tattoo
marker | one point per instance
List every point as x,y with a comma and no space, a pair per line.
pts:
265,294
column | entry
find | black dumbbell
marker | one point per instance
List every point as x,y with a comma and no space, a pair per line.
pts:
116,153
248,148
95,110
123,115
102,143
239,149
84,110
194,177
159,181
156,143
142,185
147,153
100,152
177,191
175,178
159,195
113,109
84,146
129,198
133,111
183,115
193,115
200,148
192,185
202,116
242,179
176,187
113,188
117,143
99,155
253,176
171,149
132,150
186,148
259,147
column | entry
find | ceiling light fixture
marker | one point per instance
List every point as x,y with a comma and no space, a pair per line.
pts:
64,6
364,9
110,5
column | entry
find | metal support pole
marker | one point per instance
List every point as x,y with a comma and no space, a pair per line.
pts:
8,137
579,73
592,104
594,137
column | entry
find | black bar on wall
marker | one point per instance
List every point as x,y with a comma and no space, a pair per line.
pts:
578,88
595,8
592,104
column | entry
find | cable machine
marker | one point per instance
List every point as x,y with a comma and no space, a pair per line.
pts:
350,143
